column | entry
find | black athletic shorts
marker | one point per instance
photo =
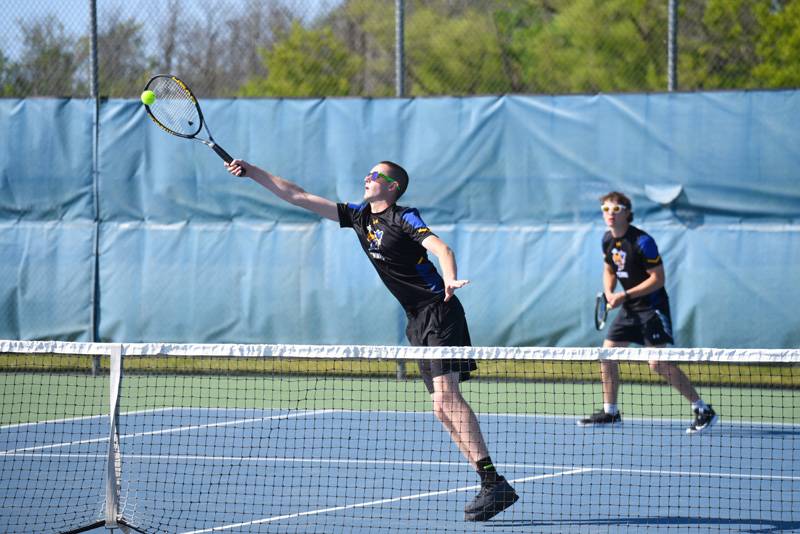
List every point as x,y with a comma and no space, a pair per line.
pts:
648,328
440,324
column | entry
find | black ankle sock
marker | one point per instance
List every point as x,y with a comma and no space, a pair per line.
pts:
487,472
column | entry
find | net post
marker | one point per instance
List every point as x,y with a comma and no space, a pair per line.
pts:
114,461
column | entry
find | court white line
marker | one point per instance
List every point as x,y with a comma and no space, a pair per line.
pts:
655,420
695,474
163,431
83,418
373,503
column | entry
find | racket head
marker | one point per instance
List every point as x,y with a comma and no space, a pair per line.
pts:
600,311
175,109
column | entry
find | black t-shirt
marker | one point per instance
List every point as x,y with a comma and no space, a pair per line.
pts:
630,256
392,239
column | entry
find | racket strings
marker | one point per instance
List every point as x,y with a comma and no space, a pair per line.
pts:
174,107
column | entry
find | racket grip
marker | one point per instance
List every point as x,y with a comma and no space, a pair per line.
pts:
221,153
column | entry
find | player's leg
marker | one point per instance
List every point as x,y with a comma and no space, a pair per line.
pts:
675,377
444,324
457,417
657,333
609,376
704,414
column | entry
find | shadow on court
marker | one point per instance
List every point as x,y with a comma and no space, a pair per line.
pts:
762,432
637,523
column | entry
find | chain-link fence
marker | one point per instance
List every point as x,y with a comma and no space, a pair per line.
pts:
351,47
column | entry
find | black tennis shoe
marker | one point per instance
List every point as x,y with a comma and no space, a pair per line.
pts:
490,501
601,418
702,420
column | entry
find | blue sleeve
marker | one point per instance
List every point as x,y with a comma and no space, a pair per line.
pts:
414,226
649,251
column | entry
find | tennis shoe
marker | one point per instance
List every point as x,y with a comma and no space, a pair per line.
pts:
601,418
490,501
703,420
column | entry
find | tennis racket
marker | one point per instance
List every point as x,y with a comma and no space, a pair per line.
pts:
600,311
177,111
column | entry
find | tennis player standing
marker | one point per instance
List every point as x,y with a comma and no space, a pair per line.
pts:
396,241
632,259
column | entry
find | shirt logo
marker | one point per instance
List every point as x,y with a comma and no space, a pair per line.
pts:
374,237
618,256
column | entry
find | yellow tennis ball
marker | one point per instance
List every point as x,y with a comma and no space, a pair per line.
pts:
148,97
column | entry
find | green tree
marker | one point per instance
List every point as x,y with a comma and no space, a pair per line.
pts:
308,62
121,57
455,54
778,46
589,45
367,30
719,51
451,47
7,77
48,63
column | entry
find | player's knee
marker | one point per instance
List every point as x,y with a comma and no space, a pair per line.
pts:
444,402
662,368
439,409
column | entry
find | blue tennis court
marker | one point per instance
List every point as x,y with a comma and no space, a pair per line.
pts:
237,470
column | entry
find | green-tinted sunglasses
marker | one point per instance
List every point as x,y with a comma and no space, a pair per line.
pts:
374,175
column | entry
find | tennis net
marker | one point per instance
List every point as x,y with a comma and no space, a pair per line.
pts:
297,438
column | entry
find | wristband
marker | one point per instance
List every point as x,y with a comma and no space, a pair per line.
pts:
625,291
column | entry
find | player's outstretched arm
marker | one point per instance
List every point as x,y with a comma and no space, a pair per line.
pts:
447,261
284,189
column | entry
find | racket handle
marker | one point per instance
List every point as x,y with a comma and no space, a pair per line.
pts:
221,153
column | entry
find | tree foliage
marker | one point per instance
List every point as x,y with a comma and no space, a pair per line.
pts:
307,62
778,46
588,46
48,64
121,56
454,47
454,55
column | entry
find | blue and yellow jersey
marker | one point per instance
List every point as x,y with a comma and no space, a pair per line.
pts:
392,239
631,256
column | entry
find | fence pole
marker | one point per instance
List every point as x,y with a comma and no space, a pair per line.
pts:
672,46
95,97
400,91
399,56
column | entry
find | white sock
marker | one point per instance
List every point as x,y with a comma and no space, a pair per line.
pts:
610,408
699,405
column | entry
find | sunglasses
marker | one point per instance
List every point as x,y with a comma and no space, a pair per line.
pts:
374,175
612,208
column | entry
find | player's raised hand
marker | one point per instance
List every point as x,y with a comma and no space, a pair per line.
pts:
450,287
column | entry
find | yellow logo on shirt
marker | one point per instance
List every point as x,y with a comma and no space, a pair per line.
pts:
618,256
